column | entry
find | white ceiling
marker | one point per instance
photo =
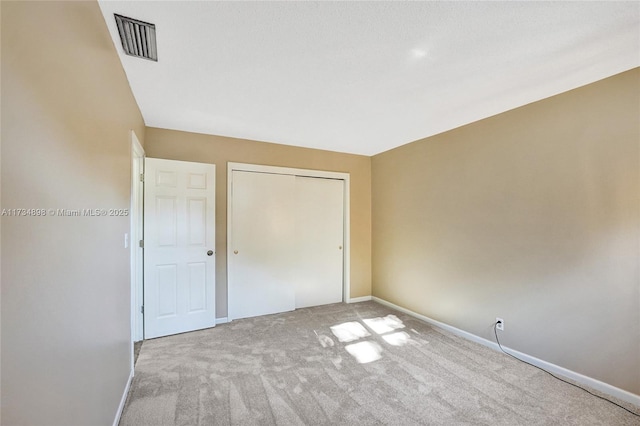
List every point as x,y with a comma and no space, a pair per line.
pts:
365,77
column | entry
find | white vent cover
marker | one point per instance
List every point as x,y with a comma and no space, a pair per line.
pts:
138,38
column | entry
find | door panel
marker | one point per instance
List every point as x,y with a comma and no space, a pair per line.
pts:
179,229
261,249
319,225
167,290
167,218
196,217
197,287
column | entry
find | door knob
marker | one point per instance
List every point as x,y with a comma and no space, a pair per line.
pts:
235,252
210,253
339,247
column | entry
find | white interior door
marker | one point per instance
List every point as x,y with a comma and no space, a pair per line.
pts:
261,244
319,231
179,245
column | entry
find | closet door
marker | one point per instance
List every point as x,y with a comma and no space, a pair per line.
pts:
262,244
319,232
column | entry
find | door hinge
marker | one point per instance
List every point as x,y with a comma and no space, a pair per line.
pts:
141,243
142,309
141,177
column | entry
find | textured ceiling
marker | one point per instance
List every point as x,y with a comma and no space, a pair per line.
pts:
365,77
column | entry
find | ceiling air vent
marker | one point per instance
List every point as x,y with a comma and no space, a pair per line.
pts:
138,38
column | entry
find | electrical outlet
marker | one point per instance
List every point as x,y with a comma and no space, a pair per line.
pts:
500,324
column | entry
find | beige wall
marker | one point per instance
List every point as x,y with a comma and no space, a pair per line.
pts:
219,150
532,215
66,114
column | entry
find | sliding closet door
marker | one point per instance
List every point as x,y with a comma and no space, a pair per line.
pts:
319,235
262,244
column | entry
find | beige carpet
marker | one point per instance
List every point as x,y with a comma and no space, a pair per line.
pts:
356,364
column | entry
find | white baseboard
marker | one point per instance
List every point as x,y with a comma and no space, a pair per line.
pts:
359,299
556,369
222,320
123,400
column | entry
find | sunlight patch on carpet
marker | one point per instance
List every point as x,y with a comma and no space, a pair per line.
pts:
397,339
365,352
385,324
349,331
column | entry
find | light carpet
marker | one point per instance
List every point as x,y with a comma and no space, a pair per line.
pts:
358,364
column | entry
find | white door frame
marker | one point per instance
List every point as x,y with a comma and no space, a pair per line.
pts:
346,280
136,234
